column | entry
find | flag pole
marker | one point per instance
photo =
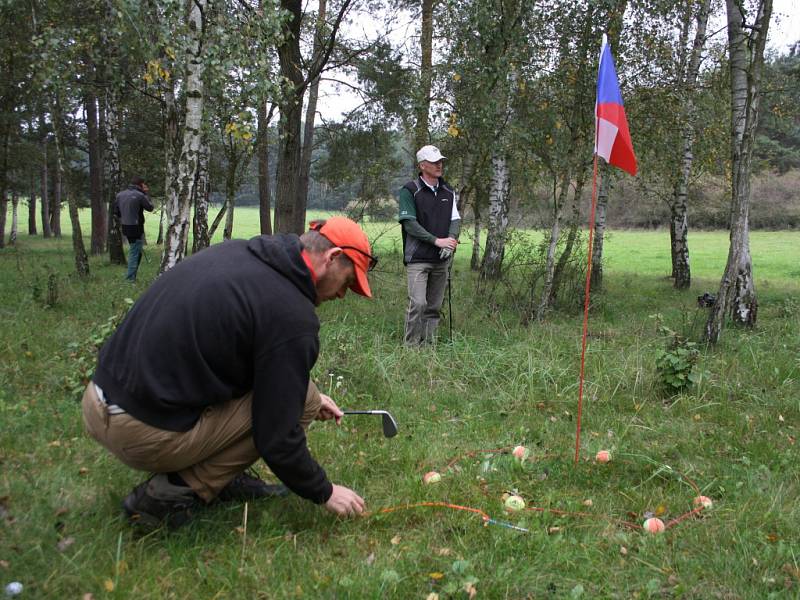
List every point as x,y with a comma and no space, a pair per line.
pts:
586,305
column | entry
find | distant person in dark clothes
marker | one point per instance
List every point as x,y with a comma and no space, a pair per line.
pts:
431,224
209,372
129,208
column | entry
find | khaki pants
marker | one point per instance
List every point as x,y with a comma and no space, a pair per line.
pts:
426,287
207,457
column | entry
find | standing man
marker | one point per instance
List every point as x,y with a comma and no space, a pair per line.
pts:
209,372
129,208
431,224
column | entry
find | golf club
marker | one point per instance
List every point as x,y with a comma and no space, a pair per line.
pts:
389,424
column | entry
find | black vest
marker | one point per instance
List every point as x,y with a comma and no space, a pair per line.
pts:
434,213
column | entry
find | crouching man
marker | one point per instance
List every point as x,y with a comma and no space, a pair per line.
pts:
209,372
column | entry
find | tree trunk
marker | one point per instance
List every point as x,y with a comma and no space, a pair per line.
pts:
3,183
311,111
737,293
596,280
3,213
44,178
289,214
550,261
180,194
113,174
491,266
230,192
99,220
200,238
679,219
32,207
218,219
423,91
475,259
572,235
58,191
81,259
262,149
12,237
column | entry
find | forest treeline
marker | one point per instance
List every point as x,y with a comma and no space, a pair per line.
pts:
214,102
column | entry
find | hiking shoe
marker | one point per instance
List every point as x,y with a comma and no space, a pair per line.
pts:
157,502
245,487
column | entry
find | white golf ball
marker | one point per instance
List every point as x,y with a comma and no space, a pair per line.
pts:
14,588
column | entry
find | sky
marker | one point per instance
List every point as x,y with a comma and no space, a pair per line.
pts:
335,100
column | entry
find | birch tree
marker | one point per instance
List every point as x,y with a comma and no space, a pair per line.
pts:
747,36
689,70
181,190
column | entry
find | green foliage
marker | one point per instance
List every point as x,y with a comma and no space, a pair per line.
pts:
84,353
677,363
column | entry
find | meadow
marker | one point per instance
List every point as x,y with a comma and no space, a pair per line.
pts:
461,406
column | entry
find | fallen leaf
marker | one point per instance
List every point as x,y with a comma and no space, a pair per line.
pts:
436,575
4,564
83,471
88,596
552,530
65,543
432,596
623,550
240,530
396,540
588,502
61,511
55,443
444,552
772,538
780,418
696,417
661,510
672,579
370,558
108,585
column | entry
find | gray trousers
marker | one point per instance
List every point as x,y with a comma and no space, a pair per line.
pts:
426,286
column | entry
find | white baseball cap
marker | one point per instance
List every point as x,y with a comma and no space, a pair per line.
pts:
429,153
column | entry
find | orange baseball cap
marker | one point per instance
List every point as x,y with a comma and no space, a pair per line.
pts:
347,235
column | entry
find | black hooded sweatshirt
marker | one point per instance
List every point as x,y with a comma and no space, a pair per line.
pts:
236,317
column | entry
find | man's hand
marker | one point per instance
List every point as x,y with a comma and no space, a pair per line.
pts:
345,502
328,410
447,242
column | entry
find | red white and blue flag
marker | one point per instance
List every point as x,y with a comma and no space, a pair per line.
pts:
612,138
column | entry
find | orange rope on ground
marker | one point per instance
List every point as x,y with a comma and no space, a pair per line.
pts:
684,516
390,509
563,513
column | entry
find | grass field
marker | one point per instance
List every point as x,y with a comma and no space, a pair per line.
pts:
460,407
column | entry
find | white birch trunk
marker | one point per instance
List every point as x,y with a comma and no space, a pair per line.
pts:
180,194
679,225
200,238
596,280
497,222
737,294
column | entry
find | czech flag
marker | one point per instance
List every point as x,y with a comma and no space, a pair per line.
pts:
612,138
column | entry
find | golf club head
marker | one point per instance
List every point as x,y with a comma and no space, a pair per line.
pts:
389,424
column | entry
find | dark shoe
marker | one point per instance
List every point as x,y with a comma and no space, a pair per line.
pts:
157,502
245,487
